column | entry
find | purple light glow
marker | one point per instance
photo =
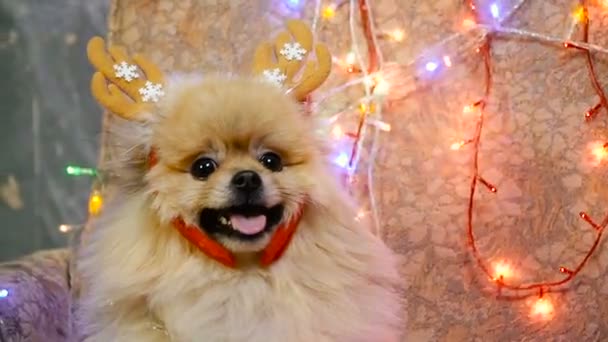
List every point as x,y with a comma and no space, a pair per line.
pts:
293,3
342,160
495,11
431,66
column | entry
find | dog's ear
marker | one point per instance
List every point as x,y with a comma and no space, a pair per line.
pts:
282,62
127,86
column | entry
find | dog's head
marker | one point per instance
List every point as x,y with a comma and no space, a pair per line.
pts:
236,157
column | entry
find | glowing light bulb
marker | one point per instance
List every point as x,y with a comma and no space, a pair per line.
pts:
542,309
3,293
468,23
382,87
383,126
64,228
337,132
579,14
502,270
329,12
363,107
293,3
471,110
95,203
80,171
599,152
342,160
495,11
369,81
350,58
431,66
447,61
360,214
457,145
350,61
397,35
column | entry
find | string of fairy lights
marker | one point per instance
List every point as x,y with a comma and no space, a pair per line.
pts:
498,272
95,197
365,66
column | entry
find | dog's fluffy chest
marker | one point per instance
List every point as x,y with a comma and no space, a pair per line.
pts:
252,306
297,300
334,283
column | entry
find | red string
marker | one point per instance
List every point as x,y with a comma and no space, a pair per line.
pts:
590,66
369,37
501,283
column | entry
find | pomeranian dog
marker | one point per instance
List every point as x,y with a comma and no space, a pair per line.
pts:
238,162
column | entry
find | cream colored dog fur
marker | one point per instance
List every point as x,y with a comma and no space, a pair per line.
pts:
144,282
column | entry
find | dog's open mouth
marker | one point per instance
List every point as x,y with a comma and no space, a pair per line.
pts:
246,222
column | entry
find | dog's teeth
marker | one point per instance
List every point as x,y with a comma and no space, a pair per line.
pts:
223,220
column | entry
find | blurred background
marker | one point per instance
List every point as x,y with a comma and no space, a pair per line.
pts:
48,121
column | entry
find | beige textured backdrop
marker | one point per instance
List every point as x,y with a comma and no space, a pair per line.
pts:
534,149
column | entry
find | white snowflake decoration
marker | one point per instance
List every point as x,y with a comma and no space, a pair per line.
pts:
274,76
293,51
151,92
126,71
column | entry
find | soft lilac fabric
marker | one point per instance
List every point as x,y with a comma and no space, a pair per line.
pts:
36,298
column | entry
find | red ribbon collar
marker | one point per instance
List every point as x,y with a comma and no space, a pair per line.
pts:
274,250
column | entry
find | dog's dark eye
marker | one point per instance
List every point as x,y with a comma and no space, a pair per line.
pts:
203,168
271,161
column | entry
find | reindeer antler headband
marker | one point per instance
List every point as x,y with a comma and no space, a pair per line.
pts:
280,63
127,86
118,84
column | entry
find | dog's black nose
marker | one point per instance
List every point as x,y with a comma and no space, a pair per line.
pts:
247,181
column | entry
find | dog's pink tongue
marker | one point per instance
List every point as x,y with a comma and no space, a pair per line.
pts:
248,225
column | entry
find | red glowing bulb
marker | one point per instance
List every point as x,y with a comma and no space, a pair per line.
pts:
542,309
457,145
502,271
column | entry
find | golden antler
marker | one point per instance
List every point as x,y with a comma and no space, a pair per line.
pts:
118,84
281,62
